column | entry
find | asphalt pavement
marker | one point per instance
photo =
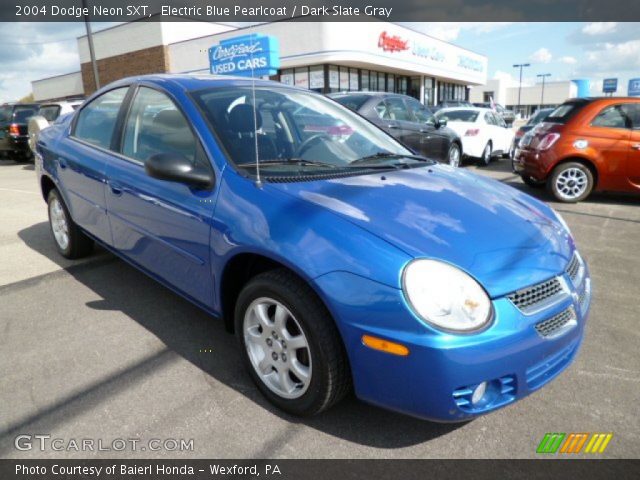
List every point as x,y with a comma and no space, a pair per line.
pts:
94,349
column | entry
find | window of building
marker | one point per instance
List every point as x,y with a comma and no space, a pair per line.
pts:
316,78
334,78
286,76
302,77
364,80
353,79
97,120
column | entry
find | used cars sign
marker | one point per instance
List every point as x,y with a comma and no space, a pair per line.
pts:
248,55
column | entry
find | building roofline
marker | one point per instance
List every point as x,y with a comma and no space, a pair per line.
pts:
56,76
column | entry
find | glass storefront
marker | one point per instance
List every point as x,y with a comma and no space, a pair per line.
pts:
451,91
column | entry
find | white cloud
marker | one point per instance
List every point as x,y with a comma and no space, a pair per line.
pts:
568,60
614,57
599,28
542,55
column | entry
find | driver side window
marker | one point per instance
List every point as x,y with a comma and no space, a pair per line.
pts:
155,125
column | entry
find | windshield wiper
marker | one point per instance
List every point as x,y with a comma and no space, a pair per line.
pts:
289,161
387,156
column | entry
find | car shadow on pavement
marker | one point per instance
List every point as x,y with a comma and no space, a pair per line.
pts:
187,331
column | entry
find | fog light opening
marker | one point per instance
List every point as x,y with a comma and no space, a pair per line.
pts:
478,393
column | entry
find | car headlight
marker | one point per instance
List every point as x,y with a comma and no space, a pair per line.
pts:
562,222
445,296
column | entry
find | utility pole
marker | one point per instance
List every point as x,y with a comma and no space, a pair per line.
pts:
92,52
520,66
543,76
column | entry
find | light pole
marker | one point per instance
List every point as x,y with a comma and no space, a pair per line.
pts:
92,52
520,66
543,76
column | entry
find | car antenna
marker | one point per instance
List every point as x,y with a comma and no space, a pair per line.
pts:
255,121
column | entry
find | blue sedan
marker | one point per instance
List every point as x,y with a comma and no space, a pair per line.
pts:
341,260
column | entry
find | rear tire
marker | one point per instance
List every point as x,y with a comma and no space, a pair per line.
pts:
454,155
532,182
571,182
70,241
485,159
310,372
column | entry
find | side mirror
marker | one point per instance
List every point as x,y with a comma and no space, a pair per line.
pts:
441,122
177,168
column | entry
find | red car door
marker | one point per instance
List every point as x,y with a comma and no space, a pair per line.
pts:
633,158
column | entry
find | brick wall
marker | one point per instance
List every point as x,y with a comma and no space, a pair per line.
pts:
140,62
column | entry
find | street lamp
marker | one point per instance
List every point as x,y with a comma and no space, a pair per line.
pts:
543,76
520,66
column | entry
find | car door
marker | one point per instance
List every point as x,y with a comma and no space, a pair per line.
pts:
162,226
435,140
609,135
380,114
633,159
81,159
506,133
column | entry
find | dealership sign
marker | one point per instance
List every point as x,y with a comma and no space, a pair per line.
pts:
248,55
634,87
610,85
395,44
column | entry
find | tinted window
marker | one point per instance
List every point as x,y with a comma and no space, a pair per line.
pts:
539,116
50,112
382,111
22,115
98,119
564,112
154,126
614,116
354,102
397,109
489,118
420,112
5,114
634,112
459,115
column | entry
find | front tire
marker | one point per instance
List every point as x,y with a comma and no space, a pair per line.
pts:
290,344
571,182
454,155
70,241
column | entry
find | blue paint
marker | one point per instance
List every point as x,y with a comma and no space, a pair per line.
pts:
252,55
584,86
610,85
350,239
634,87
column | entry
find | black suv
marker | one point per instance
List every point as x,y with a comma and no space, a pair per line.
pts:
14,133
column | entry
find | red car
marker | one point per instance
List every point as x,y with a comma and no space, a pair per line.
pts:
584,145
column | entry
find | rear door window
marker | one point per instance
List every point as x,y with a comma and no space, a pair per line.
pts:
397,109
155,125
614,116
49,112
96,121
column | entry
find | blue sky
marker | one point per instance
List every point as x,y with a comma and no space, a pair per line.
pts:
565,50
598,50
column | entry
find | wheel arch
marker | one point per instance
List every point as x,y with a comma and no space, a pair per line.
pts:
46,185
584,161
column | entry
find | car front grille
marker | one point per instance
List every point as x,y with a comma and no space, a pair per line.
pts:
536,297
558,324
573,269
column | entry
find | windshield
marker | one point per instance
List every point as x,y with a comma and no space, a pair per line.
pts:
458,115
565,111
297,131
49,112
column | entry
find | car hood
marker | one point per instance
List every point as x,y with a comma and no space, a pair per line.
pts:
502,237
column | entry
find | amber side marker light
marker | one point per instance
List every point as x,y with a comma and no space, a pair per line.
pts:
385,345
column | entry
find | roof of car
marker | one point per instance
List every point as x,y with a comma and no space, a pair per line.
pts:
195,81
453,109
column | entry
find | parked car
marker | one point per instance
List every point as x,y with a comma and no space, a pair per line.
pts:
451,104
407,120
483,132
535,119
507,115
47,114
584,145
13,130
340,261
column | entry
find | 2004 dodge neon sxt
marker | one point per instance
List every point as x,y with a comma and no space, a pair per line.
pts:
340,259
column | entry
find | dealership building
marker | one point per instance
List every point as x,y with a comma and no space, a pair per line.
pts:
321,56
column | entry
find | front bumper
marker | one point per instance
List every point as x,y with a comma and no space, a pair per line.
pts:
436,380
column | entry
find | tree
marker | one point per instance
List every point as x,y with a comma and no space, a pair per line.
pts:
27,99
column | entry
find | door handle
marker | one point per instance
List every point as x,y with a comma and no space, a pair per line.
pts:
636,146
62,163
115,189
392,126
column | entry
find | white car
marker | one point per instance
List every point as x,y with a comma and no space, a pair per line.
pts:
483,132
47,114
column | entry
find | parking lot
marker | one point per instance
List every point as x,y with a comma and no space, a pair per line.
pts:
95,349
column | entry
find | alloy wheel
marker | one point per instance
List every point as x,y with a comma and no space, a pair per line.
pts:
59,224
277,348
572,183
454,156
